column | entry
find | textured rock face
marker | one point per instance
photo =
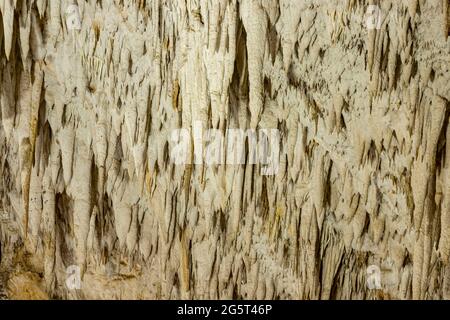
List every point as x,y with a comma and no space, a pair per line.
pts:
91,94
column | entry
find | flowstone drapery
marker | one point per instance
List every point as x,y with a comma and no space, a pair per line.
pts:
92,90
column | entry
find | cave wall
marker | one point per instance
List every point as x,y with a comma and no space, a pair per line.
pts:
87,120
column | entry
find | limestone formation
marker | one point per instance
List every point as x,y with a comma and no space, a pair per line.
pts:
93,206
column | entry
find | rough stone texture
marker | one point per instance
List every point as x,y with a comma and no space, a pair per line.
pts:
86,176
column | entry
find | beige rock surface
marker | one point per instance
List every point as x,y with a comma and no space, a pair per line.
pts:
87,181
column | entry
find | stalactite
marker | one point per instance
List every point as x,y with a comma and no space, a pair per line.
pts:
90,96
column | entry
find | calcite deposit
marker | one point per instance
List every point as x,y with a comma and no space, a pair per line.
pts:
92,205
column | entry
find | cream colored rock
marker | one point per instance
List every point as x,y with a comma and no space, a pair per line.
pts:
88,113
